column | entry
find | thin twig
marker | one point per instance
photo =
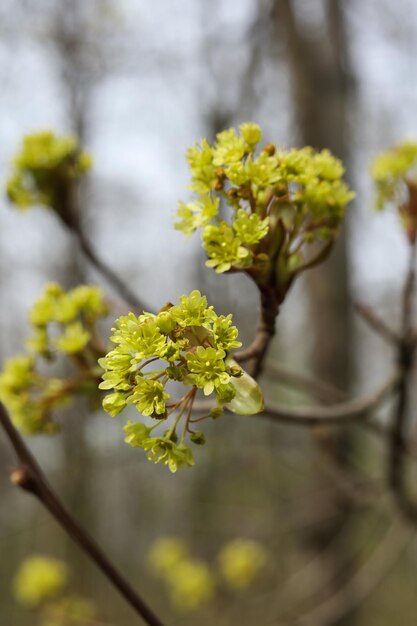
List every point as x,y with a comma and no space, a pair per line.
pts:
68,209
342,412
377,324
112,278
30,477
319,258
336,414
362,584
385,432
317,388
313,588
397,467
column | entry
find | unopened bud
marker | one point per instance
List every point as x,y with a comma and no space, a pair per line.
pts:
216,412
236,371
233,193
270,149
22,477
198,438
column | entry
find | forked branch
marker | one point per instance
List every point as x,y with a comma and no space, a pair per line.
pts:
29,476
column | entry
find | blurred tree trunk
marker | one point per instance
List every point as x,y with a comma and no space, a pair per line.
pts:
322,85
68,36
322,88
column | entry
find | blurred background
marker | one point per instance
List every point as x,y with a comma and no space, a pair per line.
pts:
139,82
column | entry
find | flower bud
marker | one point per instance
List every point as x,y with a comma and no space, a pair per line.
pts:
216,412
236,371
270,149
198,438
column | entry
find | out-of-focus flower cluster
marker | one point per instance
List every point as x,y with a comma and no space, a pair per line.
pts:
64,323
192,583
39,579
240,561
395,176
41,584
46,165
281,201
189,344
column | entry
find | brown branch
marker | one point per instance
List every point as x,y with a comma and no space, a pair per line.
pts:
314,588
384,432
30,477
69,211
362,584
342,412
112,278
256,352
333,415
317,388
319,258
397,466
377,324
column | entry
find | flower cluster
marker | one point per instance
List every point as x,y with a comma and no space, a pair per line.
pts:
39,579
41,584
191,582
241,561
46,164
395,176
72,315
390,170
281,200
189,344
63,323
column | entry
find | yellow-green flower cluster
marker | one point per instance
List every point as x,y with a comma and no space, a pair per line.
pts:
41,584
187,343
29,396
390,171
280,200
241,561
63,323
165,554
395,176
40,579
70,610
192,583
45,167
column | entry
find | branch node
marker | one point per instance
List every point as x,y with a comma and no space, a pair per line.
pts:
23,477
